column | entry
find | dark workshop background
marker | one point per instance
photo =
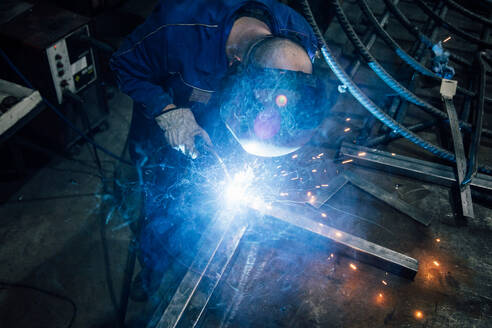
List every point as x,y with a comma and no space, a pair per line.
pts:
64,234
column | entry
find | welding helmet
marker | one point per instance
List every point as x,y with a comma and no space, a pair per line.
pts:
271,112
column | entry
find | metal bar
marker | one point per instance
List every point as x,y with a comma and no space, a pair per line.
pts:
216,242
353,246
322,195
390,199
472,165
392,136
216,269
410,167
459,150
372,39
418,54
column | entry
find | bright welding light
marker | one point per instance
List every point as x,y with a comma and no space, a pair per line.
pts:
236,192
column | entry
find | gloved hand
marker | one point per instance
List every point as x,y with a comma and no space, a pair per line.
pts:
180,130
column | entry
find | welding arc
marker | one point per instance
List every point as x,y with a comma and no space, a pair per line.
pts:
415,31
383,74
212,151
365,101
416,65
451,28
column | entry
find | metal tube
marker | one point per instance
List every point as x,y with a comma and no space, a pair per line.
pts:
353,246
409,167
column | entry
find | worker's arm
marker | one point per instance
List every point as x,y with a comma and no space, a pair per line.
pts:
138,79
141,68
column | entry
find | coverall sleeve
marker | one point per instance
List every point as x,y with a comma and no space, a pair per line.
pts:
141,67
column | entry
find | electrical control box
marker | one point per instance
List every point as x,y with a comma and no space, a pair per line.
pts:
72,66
48,44
51,47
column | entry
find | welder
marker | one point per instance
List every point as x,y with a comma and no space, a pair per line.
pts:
199,71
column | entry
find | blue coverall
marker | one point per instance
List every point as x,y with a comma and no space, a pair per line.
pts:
178,57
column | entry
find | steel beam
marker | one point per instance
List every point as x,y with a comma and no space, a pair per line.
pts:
459,151
218,245
355,247
389,198
408,166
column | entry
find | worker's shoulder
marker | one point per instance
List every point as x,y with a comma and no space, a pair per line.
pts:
212,12
205,12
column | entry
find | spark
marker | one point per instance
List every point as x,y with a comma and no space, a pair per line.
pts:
314,171
338,234
446,40
362,154
283,194
319,155
347,119
393,154
438,240
317,187
436,263
309,194
418,314
380,295
353,267
279,166
346,130
384,282
294,178
312,199
295,156
324,185
347,161
313,158
323,215
331,255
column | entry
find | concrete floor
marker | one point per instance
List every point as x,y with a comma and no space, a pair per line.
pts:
51,239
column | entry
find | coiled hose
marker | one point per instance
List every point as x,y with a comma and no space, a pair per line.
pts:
364,100
382,73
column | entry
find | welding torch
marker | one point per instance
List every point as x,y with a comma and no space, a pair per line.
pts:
212,150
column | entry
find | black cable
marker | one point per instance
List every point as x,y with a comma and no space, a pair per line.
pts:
47,292
63,117
484,44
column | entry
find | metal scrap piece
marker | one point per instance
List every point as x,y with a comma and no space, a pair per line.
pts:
322,195
389,198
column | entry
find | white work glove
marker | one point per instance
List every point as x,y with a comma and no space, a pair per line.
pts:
180,130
